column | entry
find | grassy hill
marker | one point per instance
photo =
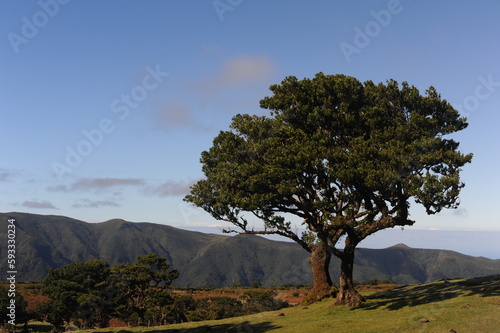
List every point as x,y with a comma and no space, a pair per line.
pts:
462,305
46,241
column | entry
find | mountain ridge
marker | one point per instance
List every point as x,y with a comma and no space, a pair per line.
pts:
45,242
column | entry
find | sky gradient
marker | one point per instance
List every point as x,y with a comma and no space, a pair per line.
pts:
106,105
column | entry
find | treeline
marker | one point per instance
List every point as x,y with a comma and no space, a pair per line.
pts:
90,294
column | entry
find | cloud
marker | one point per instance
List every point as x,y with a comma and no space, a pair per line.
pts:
234,83
58,188
95,204
169,188
176,115
97,184
38,205
5,175
238,71
461,212
246,70
104,183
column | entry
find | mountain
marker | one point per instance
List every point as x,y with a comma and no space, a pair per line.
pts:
44,242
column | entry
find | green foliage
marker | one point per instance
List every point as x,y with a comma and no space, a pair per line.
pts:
158,308
54,312
79,290
344,156
184,310
255,284
216,308
261,300
92,292
143,287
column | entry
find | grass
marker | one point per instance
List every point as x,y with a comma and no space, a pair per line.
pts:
471,305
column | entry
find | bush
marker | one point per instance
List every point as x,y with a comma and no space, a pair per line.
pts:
261,300
255,284
183,310
217,308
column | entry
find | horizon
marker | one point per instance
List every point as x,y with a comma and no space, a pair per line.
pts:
107,106
451,240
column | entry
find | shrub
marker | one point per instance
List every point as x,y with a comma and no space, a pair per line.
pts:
261,300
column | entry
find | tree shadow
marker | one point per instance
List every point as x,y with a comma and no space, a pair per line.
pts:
432,292
244,327
39,327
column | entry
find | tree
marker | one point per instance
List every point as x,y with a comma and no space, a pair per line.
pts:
79,290
142,282
185,308
53,312
343,156
158,308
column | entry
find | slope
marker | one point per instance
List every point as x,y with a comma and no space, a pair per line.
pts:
45,242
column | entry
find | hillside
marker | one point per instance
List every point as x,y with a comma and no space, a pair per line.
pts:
45,242
442,306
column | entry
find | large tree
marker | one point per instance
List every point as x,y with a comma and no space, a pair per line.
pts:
345,157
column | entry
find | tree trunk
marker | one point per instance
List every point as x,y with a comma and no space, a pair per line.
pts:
347,294
322,283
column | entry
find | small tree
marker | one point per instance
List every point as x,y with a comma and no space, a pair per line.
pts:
54,312
142,282
159,308
185,308
79,290
255,284
343,156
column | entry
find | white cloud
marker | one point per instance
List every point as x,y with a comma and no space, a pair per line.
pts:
169,188
176,115
97,184
236,82
239,71
86,203
6,175
38,204
58,188
103,183
245,69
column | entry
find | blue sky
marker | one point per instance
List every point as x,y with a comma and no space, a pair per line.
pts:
106,105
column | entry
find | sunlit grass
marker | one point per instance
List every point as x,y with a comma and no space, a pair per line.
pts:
463,305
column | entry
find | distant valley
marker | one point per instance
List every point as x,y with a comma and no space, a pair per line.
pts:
45,242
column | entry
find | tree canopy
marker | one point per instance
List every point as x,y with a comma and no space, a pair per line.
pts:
93,293
90,294
143,285
79,290
345,157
